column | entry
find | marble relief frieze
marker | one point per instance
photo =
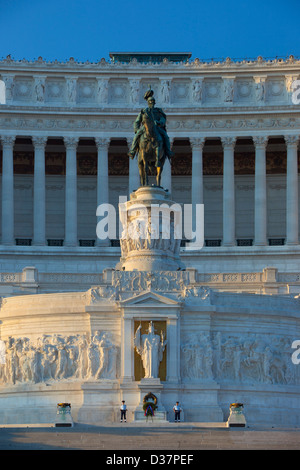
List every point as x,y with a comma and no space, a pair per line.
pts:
238,358
53,358
184,124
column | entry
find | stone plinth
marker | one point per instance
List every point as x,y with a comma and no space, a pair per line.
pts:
151,235
149,386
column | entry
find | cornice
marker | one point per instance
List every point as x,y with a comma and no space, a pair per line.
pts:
224,66
171,111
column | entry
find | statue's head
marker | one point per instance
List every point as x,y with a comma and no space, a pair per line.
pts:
149,97
151,102
151,328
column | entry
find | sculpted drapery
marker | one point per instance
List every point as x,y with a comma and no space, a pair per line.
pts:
150,347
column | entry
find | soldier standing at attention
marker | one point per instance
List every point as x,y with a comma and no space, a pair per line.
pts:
123,409
177,409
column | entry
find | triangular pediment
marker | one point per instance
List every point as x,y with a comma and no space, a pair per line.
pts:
149,298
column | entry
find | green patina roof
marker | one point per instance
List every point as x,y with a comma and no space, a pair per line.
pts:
146,57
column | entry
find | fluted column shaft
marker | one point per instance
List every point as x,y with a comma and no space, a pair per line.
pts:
260,191
292,217
166,177
197,145
102,177
39,192
71,192
8,190
134,176
228,192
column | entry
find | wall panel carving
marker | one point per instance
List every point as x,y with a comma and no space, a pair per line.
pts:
57,357
239,358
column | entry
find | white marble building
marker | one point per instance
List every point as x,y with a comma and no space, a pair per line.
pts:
65,129
234,130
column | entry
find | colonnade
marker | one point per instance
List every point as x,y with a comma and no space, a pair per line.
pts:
197,144
260,192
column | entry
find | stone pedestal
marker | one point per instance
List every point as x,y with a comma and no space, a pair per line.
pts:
148,387
152,231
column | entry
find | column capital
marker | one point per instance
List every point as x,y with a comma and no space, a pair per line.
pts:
291,140
102,142
260,140
260,78
197,142
8,140
39,141
71,142
228,142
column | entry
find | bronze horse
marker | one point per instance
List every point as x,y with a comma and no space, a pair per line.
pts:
151,151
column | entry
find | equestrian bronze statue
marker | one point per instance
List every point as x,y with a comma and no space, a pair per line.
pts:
151,140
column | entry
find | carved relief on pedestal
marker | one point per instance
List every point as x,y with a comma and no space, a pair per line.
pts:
56,357
148,237
134,281
253,358
244,358
197,357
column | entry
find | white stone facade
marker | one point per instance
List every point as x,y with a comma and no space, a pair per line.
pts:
68,317
224,107
78,347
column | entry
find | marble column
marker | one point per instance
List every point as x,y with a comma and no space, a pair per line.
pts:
197,145
228,191
127,349
71,192
7,190
134,176
102,178
173,349
292,217
260,191
39,191
166,177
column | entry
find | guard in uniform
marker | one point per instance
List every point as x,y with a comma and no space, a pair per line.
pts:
123,409
177,409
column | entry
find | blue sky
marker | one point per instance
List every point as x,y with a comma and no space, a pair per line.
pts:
90,29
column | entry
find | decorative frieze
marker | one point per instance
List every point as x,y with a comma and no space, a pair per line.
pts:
56,357
184,90
252,358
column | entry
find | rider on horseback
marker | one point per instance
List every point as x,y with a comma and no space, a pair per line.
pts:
159,119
